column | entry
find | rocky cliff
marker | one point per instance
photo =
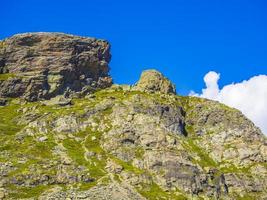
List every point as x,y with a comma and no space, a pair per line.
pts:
43,65
115,142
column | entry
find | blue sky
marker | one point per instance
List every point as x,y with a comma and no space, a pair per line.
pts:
184,39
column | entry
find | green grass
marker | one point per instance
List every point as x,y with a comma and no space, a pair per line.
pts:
154,192
2,44
35,152
139,152
92,143
8,128
190,130
252,196
85,186
41,150
18,192
127,165
76,152
234,169
205,159
8,114
6,76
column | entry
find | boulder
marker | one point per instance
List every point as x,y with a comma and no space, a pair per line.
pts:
43,65
58,100
153,81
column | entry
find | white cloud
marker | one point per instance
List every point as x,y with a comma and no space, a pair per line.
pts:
249,96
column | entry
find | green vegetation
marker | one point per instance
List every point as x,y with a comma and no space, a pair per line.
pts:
85,186
190,130
6,76
33,152
75,151
41,150
8,128
205,159
252,196
127,165
8,124
139,152
2,44
26,192
154,192
234,169
92,142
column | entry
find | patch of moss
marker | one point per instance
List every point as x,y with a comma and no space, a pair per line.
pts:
127,165
33,152
41,150
246,197
76,152
8,128
8,125
92,142
22,168
154,192
4,77
104,94
18,192
139,152
2,44
234,169
190,130
205,159
86,186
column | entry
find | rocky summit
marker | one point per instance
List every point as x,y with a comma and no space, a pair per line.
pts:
67,132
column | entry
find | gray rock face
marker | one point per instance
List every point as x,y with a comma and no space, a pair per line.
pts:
43,65
233,143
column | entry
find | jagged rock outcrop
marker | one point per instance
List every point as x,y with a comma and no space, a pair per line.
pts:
123,142
42,65
154,81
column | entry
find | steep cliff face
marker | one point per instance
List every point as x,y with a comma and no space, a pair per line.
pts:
43,65
129,142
